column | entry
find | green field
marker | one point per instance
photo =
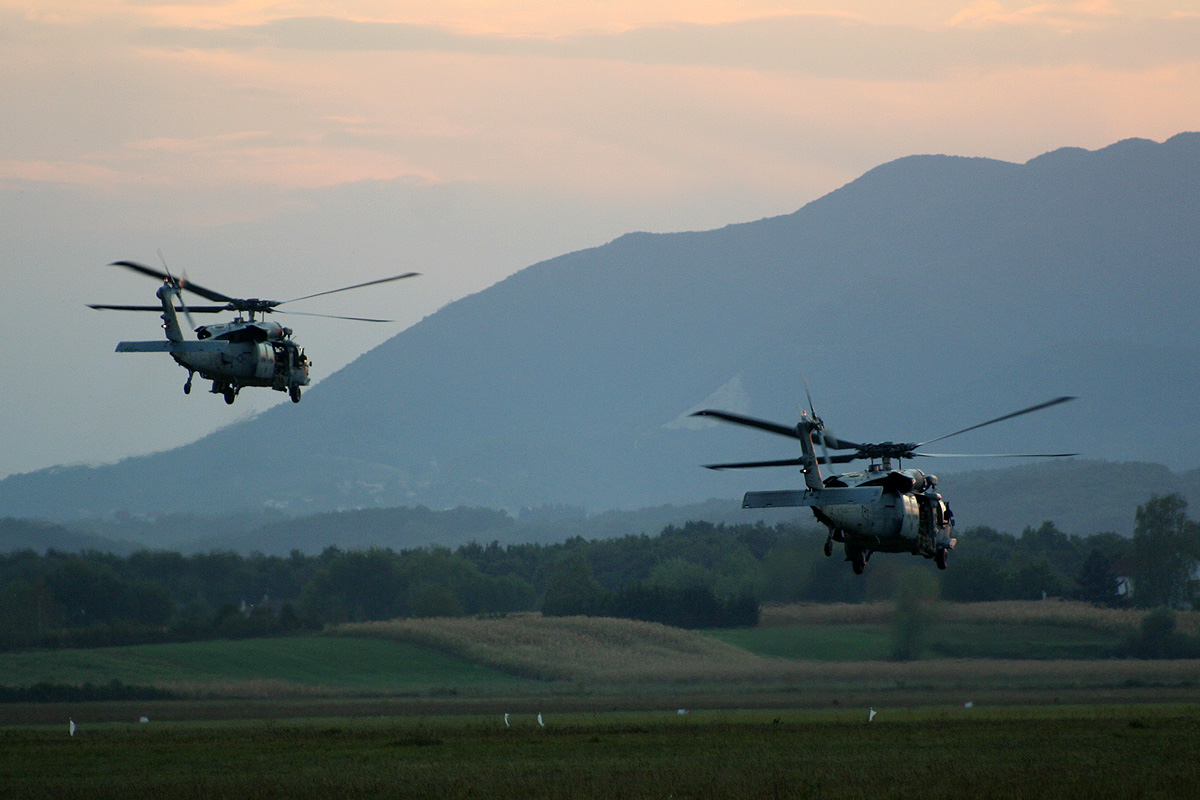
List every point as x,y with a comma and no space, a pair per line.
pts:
939,752
415,708
375,665
867,642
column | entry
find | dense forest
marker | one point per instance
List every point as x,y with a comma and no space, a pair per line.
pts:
698,575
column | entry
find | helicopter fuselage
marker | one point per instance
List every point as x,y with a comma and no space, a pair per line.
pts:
244,352
876,510
879,509
259,353
909,516
231,354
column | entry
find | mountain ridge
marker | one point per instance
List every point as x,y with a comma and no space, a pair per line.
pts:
930,293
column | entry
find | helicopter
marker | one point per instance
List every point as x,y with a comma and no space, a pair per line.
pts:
880,509
250,350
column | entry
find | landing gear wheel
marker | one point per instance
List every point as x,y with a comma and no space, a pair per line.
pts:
230,396
187,387
294,393
940,557
858,562
828,547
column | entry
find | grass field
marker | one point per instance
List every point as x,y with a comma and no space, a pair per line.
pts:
286,665
944,639
939,752
1006,612
528,655
416,708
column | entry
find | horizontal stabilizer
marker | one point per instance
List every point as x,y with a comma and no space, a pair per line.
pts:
165,346
790,498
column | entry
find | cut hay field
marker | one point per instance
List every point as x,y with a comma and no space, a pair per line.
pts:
802,657
1080,752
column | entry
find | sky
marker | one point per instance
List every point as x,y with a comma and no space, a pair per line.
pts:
278,149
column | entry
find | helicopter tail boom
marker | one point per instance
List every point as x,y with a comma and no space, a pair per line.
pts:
792,498
167,346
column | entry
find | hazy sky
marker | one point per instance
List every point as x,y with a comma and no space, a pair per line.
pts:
283,148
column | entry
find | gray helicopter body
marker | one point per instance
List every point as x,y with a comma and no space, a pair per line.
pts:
246,351
230,354
876,510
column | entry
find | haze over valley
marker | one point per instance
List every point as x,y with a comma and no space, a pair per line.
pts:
931,293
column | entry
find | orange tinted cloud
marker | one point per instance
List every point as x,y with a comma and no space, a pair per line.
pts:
593,98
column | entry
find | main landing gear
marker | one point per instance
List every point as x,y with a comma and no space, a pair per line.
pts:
835,535
228,390
858,558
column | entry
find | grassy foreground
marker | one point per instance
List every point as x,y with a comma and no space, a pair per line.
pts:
1076,752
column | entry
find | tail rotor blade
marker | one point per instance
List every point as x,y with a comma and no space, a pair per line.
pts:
178,284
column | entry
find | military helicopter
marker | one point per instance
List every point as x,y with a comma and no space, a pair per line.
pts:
877,510
246,351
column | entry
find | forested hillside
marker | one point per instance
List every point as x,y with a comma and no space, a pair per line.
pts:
695,575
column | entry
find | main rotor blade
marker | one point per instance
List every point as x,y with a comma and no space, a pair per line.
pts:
196,309
751,422
783,462
786,462
355,286
207,294
330,316
1038,407
995,455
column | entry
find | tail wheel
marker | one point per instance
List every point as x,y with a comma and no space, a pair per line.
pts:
230,396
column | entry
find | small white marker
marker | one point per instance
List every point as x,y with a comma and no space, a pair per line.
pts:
506,721
871,716
71,725
144,719
540,721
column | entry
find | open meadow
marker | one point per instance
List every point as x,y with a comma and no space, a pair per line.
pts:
931,752
817,656
417,708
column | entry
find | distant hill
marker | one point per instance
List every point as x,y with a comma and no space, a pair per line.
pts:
931,293
1079,497
38,535
395,528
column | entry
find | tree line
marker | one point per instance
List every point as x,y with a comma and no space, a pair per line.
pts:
694,575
